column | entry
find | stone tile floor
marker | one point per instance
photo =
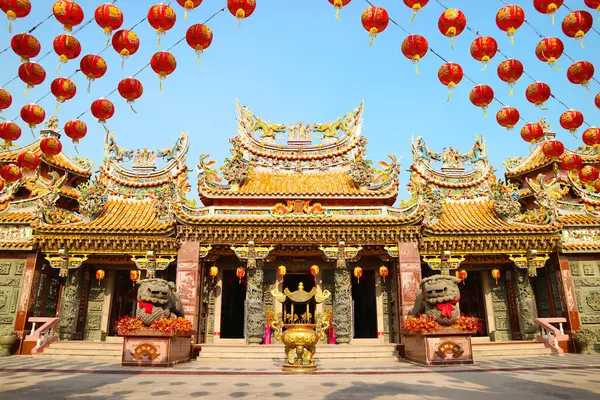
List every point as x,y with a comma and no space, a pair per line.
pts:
570,377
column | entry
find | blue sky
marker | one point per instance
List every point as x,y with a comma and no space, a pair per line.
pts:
292,61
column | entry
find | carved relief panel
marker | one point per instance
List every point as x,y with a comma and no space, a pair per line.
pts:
11,274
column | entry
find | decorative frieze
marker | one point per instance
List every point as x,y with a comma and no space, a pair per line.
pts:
340,253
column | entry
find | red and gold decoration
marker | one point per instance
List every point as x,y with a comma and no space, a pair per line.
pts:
134,275
281,270
9,132
338,4
75,130
577,24
553,148
597,186
5,100
100,275
548,6
50,146
213,272
25,46
163,63
510,71
496,274
1,185
130,89
414,47
15,9
549,50
126,43
241,9
33,114
102,109
415,5
580,73
571,162
108,17
452,23
375,20
450,75
482,96
358,273
240,273
532,132
11,172
571,120
314,270
28,160
67,47
93,67
597,100
68,13
462,275
384,272
508,117
538,93
162,18
188,5
593,4
199,37
483,49
509,19
591,137
32,74
588,174
63,89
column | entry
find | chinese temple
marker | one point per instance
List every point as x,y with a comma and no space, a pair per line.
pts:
298,203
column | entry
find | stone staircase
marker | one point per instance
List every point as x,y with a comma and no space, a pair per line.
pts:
484,349
110,350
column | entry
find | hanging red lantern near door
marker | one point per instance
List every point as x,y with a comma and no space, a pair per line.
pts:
496,274
100,275
240,273
213,272
462,275
314,270
134,275
383,271
281,270
358,272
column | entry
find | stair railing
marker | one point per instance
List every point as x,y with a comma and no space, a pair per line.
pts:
44,335
552,335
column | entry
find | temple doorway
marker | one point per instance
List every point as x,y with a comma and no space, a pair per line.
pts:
233,305
471,299
124,301
365,306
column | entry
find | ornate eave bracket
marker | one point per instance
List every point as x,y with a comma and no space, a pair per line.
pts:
64,262
444,262
251,254
392,251
530,261
203,251
340,253
151,263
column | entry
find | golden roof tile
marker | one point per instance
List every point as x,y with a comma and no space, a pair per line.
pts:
60,160
16,245
18,216
578,219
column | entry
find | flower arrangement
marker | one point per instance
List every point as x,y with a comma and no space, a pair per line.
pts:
469,323
167,326
128,324
423,323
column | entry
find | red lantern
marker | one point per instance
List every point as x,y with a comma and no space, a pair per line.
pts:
375,20
199,37
580,73
597,100
93,67
571,120
126,43
28,160
213,272
33,115
25,46
63,89
130,89
509,19
508,117
163,63
549,50
483,49
5,100
102,109
510,71
577,24
358,272
594,4
416,5
548,6
189,5
134,275
314,270
591,137
162,18
75,130
67,47
482,96
462,275
338,4
588,174
450,75
50,146
240,273
383,271
100,275
11,172
15,9
452,23
241,9
532,132
496,274
9,131
68,13
571,162
109,17
32,74
553,148
414,47
537,93
281,270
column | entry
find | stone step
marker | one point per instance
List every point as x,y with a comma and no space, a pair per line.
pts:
507,346
514,349
281,355
79,357
480,339
279,348
59,350
89,347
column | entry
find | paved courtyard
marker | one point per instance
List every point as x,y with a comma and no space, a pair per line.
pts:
571,377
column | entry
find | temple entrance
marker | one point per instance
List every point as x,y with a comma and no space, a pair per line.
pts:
471,298
365,306
124,301
233,306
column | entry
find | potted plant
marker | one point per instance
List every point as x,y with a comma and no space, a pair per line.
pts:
7,340
585,339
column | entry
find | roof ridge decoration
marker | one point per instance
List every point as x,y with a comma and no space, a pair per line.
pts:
48,212
547,193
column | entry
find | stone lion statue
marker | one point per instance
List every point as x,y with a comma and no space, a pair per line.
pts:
439,298
157,299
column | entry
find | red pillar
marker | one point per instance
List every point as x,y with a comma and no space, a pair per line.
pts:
188,279
27,296
567,292
409,276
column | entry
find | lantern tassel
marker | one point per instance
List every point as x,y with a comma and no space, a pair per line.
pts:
552,19
160,86
237,30
9,26
122,62
56,108
26,90
337,13
131,106
451,86
412,17
32,133
485,114
185,15
198,59
2,118
159,41
89,86
512,87
484,67
77,151
417,68
107,42
452,42
372,33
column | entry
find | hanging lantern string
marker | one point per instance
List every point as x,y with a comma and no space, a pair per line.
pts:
571,10
30,30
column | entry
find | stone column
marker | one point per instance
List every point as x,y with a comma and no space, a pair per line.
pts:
188,264
526,304
409,273
255,308
342,305
69,305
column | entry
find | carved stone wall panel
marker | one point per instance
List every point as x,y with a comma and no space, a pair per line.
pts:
589,268
500,307
69,305
255,308
526,305
574,266
93,321
342,305
587,290
10,288
188,275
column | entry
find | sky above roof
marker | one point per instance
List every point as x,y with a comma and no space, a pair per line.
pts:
292,61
